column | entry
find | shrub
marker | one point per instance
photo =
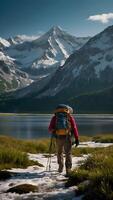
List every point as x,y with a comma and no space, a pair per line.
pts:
84,138
103,138
101,186
98,169
84,150
77,176
13,158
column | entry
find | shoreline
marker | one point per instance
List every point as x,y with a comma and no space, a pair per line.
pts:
49,114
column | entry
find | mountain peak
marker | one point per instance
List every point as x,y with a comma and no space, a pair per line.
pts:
55,30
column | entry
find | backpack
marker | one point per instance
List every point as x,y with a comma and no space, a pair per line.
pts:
63,125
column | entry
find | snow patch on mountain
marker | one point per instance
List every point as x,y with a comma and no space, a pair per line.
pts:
62,47
5,57
56,48
45,63
4,43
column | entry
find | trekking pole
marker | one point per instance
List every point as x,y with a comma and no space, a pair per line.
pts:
48,166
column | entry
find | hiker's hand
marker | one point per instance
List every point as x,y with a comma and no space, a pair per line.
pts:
77,142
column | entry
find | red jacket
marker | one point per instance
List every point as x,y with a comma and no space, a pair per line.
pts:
72,122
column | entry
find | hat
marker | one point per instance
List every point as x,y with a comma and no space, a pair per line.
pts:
65,107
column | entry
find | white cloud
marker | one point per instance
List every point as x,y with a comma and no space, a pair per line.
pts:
103,18
28,38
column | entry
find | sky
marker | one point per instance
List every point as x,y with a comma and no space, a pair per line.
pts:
34,17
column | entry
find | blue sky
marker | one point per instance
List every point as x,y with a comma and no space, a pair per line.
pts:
32,17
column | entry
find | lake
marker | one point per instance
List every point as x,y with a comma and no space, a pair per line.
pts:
31,126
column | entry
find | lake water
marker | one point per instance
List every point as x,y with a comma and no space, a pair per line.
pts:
33,126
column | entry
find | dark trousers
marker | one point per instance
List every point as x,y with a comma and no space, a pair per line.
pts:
64,144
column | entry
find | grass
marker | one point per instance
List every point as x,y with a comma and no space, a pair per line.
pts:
103,138
28,146
84,150
85,138
98,170
13,152
12,158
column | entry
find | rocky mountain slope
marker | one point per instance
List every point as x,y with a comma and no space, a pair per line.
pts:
88,69
44,55
10,76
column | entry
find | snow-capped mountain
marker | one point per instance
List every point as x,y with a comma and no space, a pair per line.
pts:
44,55
85,80
10,76
87,70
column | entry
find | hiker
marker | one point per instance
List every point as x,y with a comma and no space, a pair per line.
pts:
63,127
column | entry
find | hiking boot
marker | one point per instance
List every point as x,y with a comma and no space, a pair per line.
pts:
60,169
68,170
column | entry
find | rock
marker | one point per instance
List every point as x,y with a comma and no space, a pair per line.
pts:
23,188
11,184
35,168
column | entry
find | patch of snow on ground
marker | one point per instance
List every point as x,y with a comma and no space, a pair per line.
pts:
50,183
94,144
